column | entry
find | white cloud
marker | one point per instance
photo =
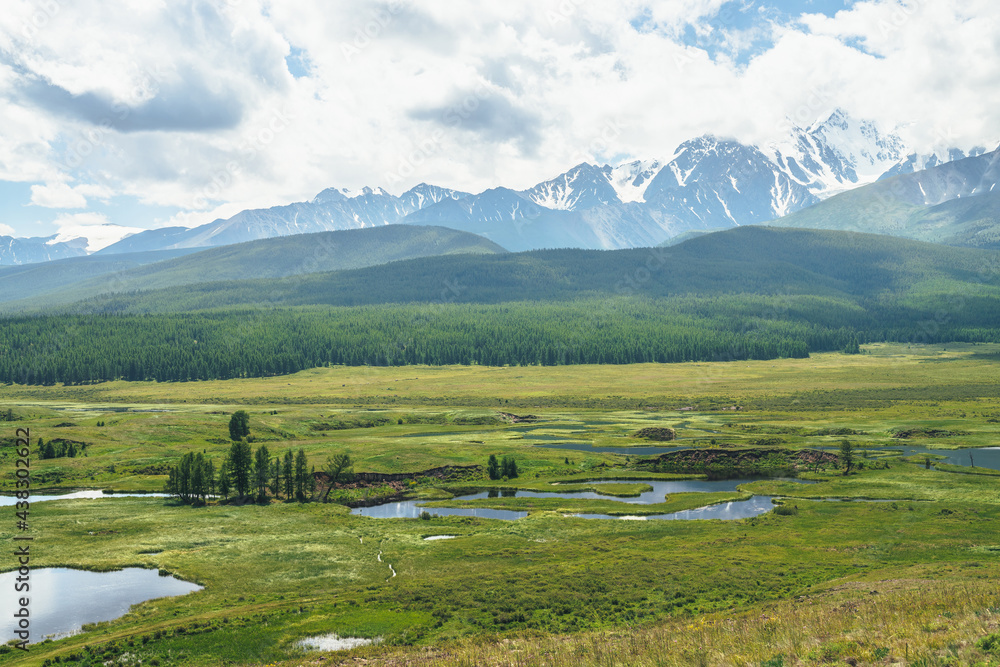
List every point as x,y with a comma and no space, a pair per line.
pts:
190,104
57,195
6,230
94,227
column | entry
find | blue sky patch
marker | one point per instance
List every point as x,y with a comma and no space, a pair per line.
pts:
741,29
298,63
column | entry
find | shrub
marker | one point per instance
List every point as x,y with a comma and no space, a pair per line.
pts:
990,643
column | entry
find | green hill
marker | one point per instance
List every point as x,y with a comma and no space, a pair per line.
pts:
966,211
267,258
758,260
30,280
747,293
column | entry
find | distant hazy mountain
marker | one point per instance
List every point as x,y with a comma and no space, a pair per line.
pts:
956,203
82,278
330,210
15,251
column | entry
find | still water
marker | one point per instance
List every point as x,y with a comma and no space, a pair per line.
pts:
737,509
7,501
61,600
411,509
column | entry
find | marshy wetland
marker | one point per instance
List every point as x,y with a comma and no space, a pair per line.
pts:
805,581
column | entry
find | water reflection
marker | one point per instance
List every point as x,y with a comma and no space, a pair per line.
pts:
728,511
7,501
62,600
411,509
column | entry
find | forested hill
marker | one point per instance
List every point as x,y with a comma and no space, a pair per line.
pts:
748,293
60,283
745,260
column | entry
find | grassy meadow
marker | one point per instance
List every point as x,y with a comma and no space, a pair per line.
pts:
906,581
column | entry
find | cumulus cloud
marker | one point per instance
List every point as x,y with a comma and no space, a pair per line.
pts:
94,227
57,195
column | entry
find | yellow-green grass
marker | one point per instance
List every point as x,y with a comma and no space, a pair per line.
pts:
537,579
546,572
882,367
914,618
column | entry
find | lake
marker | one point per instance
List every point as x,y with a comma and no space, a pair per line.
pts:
62,600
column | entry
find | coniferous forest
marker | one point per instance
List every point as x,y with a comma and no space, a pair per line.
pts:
75,349
743,294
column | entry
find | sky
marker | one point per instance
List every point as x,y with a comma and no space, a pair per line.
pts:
155,113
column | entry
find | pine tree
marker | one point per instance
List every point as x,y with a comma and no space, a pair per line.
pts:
493,467
225,481
239,425
508,467
261,471
289,470
276,476
301,475
240,464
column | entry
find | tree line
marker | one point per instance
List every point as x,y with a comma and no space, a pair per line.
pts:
244,474
75,349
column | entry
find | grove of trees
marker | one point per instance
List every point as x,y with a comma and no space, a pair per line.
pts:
244,474
504,468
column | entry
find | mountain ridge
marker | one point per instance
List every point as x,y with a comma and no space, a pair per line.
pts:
709,182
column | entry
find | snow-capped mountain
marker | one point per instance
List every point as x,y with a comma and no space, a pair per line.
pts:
330,210
956,203
631,179
712,183
837,154
15,251
708,183
914,163
583,186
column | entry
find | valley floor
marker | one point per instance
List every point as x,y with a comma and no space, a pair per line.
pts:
908,580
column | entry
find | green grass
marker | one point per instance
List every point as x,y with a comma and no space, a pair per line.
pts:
548,588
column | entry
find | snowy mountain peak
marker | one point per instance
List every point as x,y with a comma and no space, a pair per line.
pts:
364,192
631,179
836,153
838,118
584,186
329,196
424,195
335,195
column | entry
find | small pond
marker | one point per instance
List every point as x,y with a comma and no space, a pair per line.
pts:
334,642
983,457
62,600
411,509
624,451
7,501
736,509
987,457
